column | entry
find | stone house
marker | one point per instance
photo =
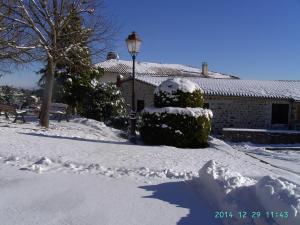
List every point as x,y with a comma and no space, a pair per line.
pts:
235,103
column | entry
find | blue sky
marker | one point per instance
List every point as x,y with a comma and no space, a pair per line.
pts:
252,39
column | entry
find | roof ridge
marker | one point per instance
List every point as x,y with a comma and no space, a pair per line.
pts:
187,65
173,69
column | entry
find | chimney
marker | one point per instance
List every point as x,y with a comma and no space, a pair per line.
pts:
112,55
205,69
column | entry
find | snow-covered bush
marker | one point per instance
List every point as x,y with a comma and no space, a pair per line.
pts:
178,92
179,126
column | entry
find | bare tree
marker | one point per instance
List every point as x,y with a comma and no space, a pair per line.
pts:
9,34
35,26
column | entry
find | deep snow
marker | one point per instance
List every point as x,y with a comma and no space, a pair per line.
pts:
58,198
232,192
83,172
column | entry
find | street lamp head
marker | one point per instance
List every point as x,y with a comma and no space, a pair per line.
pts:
133,43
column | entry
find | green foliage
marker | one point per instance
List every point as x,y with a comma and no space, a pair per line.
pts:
184,130
6,95
179,99
104,102
16,96
175,130
75,75
75,87
2,98
10,95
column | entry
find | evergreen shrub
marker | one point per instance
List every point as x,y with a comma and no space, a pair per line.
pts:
105,103
178,92
179,99
187,125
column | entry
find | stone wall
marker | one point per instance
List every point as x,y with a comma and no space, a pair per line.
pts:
262,136
243,112
237,112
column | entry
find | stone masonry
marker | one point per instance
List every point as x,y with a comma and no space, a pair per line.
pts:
243,112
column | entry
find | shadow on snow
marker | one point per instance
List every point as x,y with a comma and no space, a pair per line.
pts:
78,139
182,195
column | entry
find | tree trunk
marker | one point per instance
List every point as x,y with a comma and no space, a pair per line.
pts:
47,98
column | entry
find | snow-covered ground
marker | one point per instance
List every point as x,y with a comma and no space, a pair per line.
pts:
84,172
286,157
59,198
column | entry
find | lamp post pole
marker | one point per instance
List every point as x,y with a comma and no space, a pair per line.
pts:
133,44
133,110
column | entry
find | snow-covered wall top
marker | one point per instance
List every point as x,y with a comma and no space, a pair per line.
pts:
182,84
158,69
236,87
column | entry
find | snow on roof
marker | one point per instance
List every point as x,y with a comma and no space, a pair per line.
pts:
172,85
159,69
236,87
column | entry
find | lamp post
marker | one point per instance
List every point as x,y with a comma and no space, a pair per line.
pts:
133,44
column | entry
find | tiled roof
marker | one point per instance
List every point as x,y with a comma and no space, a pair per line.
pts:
156,69
236,87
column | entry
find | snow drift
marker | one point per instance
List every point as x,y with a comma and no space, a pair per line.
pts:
278,195
232,192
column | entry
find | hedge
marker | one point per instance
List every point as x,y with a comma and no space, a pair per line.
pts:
178,130
179,99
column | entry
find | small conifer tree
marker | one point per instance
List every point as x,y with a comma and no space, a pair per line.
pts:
74,74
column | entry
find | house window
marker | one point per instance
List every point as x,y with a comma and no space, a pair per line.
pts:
280,113
140,105
206,105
